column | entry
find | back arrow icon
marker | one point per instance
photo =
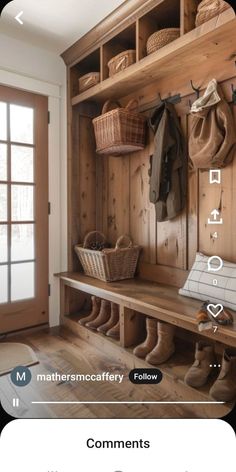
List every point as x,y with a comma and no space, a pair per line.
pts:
17,18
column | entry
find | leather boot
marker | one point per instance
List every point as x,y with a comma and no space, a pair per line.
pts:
224,388
165,344
114,332
103,315
199,372
151,339
113,320
96,304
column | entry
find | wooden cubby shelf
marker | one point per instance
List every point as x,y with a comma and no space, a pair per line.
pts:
211,43
152,299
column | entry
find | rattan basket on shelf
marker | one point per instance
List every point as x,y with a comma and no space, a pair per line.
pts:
121,61
109,265
88,80
121,130
208,9
161,38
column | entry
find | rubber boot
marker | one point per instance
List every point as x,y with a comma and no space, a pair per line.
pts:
114,318
199,372
224,388
96,304
151,339
103,316
165,344
114,332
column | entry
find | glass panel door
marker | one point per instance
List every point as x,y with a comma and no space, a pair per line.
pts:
23,210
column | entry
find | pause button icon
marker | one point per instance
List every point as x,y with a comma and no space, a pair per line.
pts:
16,402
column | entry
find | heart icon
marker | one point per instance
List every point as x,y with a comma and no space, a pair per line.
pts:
215,310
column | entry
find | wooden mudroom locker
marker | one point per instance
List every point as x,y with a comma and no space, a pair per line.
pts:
111,193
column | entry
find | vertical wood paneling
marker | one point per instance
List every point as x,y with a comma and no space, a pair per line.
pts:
220,197
192,211
123,206
118,197
86,178
142,216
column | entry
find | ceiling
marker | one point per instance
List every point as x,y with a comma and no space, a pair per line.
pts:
54,24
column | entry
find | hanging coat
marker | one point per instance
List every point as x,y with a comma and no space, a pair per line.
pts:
168,164
212,138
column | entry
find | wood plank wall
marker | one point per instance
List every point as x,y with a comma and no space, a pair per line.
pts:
121,204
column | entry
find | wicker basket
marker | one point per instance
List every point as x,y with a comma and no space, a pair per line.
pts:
88,80
208,9
110,265
121,61
121,130
161,38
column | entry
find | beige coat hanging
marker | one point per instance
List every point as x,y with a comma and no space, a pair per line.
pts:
212,139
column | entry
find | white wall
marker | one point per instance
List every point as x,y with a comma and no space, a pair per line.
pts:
30,68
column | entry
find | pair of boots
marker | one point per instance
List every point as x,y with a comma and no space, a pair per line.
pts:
103,318
224,388
158,346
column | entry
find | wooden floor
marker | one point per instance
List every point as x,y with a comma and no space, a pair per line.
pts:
59,350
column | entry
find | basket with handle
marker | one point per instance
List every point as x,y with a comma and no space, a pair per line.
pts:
110,264
208,9
161,38
88,80
121,61
120,130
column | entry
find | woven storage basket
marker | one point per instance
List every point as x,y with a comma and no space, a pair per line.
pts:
209,9
110,265
121,130
121,61
88,80
161,38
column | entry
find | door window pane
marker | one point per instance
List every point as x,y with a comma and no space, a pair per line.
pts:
3,161
22,281
3,243
3,284
3,202
21,124
22,242
22,164
3,121
22,198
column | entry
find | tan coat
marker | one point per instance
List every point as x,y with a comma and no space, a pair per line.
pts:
212,140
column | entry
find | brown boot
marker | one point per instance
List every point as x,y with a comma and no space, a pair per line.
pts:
165,344
199,372
103,315
114,332
113,320
224,388
151,340
96,304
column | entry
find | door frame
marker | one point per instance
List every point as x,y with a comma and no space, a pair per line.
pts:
57,177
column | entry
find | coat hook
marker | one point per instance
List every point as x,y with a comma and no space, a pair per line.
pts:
196,90
190,104
233,94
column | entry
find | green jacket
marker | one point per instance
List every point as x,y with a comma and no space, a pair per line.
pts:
168,186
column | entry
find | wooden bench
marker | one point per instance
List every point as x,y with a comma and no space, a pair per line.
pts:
149,298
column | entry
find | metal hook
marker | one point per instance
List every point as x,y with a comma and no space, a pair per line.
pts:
196,90
233,94
171,99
